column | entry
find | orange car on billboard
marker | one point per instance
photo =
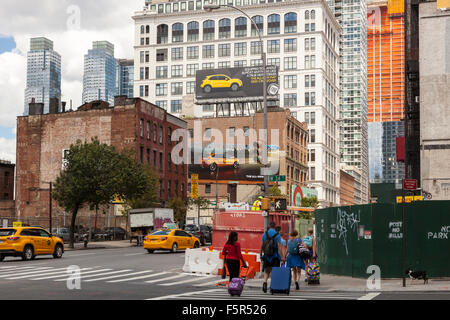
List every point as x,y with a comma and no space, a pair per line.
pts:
214,162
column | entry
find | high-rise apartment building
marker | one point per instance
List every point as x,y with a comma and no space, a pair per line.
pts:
125,78
174,39
100,68
43,76
352,16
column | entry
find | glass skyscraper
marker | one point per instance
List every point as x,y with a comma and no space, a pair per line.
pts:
352,15
100,68
43,75
125,77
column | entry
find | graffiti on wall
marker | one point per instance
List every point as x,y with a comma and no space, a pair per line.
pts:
346,223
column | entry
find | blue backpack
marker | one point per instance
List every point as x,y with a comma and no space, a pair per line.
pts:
308,241
293,246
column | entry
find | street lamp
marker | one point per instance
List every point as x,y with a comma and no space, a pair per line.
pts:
211,7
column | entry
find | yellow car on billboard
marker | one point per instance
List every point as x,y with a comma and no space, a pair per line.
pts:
220,81
214,162
170,239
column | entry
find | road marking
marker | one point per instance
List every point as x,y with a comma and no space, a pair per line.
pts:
41,274
80,255
23,272
134,254
180,282
96,275
120,276
164,279
137,278
184,294
370,296
208,283
66,274
20,268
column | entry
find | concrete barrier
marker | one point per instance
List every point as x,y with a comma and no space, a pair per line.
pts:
202,262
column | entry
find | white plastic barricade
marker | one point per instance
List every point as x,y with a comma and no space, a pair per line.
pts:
203,262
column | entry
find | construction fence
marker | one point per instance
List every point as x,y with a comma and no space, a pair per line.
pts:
350,239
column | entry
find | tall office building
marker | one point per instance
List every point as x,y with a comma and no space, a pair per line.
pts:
125,78
100,68
385,90
174,39
43,76
352,16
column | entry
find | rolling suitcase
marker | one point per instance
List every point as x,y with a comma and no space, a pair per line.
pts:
236,286
281,280
313,273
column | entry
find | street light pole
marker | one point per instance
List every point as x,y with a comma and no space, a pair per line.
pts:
211,7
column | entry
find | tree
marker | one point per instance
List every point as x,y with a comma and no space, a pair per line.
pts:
179,207
150,198
275,191
93,175
309,202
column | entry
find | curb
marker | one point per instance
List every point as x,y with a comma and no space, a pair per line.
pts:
94,248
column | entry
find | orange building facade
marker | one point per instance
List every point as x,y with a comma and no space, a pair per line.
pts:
385,62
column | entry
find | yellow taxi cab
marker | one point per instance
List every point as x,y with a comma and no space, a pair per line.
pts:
28,242
170,239
220,81
213,162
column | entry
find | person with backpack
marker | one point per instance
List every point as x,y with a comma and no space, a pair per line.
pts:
310,242
233,255
294,261
270,252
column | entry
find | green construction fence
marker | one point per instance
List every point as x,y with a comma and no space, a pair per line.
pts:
350,239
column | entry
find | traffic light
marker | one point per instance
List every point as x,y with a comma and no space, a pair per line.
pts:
265,204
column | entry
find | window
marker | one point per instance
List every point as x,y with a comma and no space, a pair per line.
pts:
313,81
161,89
290,45
307,15
177,32
313,61
273,62
313,98
193,31
224,65
192,52
246,131
208,133
208,51
306,98
313,27
208,108
141,128
208,30
312,135
259,21
273,22
290,22
190,87
207,188
177,88
307,62
208,65
273,46
161,72
155,132
162,34
306,27
312,175
256,62
175,106
290,82
224,28
161,132
240,49
290,63
177,71
306,81
307,44
240,63
240,27
177,54
148,130
141,154
290,100
232,131
161,54
255,47
313,14
313,118
224,50
191,69
162,104
313,43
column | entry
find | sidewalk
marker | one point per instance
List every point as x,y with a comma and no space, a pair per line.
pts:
330,283
101,245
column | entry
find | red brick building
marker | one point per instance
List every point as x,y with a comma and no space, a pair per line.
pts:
347,189
130,124
6,189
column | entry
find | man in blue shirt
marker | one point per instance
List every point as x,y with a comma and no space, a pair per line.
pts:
270,261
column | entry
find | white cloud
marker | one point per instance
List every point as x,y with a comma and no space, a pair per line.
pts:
22,19
8,149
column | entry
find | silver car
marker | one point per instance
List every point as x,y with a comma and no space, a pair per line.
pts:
64,234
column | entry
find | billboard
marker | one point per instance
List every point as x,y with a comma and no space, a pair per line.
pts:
299,192
234,164
235,85
443,4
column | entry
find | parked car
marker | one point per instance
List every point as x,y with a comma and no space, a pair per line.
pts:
27,242
64,234
115,233
204,232
170,240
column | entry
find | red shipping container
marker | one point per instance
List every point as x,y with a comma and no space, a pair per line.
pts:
249,225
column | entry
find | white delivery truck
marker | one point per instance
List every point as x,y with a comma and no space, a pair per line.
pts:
144,221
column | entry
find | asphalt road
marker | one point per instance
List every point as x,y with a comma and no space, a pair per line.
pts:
133,274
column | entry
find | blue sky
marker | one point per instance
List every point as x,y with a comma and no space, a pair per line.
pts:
7,44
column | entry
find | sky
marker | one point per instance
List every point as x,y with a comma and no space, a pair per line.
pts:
72,25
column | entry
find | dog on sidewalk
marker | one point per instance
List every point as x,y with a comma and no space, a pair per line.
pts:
417,275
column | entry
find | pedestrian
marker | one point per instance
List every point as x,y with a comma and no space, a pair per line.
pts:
294,261
257,204
233,255
270,252
284,248
310,241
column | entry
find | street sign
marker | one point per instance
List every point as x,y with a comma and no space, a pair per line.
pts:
194,186
409,184
277,178
17,224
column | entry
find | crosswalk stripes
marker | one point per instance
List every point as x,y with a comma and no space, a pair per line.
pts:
169,278
249,294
